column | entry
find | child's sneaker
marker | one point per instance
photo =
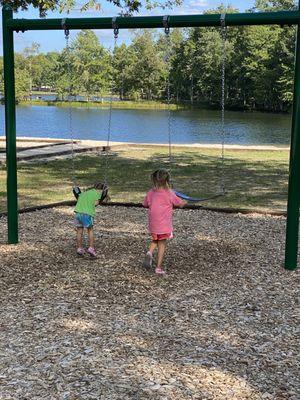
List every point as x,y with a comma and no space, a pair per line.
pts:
147,263
91,251
159,271
80,251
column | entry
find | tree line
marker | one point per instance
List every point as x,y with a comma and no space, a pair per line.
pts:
259,66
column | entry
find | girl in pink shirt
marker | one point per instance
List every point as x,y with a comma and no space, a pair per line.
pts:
160,201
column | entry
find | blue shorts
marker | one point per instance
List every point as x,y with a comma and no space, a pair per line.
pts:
84,220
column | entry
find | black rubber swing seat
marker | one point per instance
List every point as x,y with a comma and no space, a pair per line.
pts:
76,191
104,194
196,199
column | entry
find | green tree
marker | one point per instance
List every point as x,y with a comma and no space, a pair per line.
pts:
169,49
33,66
259,65
22,78
125,6
148,69
64,73
282,62
91,64
49,66
123,64
274,5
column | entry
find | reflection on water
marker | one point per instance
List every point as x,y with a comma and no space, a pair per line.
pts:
150,126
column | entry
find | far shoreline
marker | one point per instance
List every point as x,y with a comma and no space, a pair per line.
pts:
145,105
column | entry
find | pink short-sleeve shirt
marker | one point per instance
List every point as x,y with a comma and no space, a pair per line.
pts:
160,203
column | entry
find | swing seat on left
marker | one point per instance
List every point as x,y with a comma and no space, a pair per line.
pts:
76,191
104,195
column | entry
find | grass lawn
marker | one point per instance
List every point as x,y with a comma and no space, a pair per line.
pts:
253,179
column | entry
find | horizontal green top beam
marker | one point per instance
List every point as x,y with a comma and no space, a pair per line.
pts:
175,21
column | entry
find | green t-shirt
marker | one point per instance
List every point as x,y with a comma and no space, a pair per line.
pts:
87,201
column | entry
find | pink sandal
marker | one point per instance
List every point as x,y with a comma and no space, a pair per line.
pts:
80,251
159,271
92,252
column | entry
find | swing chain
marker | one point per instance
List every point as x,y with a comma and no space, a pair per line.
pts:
115,27
67,37
167,32
223,78
222,20
166,19
64,27
106,167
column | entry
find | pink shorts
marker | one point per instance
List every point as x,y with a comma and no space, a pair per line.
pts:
161,236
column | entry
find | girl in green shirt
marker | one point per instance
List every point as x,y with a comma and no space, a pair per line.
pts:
85,212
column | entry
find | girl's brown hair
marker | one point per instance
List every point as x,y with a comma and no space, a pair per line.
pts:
161,179
98,186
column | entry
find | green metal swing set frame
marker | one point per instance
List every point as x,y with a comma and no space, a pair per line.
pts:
11,25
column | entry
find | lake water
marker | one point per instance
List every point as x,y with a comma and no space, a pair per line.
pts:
150,126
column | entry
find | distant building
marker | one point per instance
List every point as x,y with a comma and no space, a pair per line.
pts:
42,88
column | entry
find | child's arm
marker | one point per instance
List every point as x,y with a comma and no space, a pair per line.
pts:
146,201
183,203
104,197
177,201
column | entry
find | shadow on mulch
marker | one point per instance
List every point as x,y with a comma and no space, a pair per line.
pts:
249,183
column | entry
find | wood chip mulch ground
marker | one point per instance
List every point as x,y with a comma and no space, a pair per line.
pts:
221,325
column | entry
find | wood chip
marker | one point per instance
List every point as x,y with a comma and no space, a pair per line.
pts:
222,324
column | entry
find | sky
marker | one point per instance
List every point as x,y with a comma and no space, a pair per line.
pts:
54,40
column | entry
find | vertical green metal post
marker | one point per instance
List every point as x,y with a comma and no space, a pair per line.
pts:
292,224
10,126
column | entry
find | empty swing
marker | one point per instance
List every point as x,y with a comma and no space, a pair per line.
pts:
75,187
221,191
